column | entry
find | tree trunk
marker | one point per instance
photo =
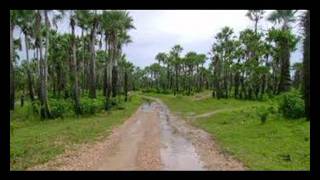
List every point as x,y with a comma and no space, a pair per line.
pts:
168,78
126,85
31,93
92,88
177,80
12,84
22,100
83,64
108,76
285,69
114,80
74,76
190,80
236,87
44,107
256,26
306,63
104,81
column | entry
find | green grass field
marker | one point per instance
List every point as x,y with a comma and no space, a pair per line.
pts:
34,142
278,144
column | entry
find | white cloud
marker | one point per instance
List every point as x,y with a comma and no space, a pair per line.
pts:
194,30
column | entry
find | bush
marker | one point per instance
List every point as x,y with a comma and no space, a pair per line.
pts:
91,106
149,90
291,104
165,92
263,113
60,107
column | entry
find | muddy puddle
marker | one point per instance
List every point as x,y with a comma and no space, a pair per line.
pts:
177,152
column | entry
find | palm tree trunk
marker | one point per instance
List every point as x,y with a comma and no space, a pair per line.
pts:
44,107
306,63
74,77
12,86
109,75
31,93
168,77
126,85
83,63
285,69
92,88
114,67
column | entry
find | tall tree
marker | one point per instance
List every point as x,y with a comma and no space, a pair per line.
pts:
285,42
13,16
115,25
163,58
92,79
43,14
190,61
255,15
284,17
175,55
25,23
74,69
82,18
306,62
44,107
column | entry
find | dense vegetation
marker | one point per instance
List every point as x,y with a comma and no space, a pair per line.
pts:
66,66
254,65
250,66
69,77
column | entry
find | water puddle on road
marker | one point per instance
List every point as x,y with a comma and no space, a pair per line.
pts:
177,152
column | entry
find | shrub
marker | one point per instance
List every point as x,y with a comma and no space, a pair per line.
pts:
262,113
149,90
91,106
291,104
60,107
165,92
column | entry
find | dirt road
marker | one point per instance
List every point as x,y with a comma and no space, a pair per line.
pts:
151,139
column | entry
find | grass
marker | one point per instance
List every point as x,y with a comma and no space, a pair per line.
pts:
278,144
35,142
186,105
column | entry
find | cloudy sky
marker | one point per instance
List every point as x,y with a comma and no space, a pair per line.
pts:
159,30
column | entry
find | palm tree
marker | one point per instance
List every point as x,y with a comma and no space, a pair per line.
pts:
163,57
190,61
122,39
200,60
13,19
74,70
115,25
25,23
175,54
128,68
44,107
94,21
285,17
82,18
255,15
